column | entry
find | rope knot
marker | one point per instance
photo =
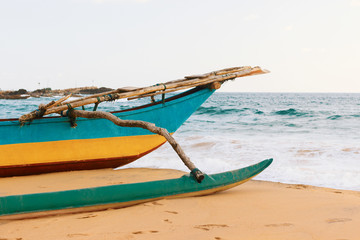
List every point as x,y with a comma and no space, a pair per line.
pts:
71,116
41,111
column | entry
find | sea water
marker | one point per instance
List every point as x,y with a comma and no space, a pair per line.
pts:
314,138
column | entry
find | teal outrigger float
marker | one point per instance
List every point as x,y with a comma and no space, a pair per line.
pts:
117,196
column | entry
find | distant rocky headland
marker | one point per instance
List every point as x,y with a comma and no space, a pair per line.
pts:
48,92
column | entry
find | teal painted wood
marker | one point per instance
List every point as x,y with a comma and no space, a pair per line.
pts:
123,193
170,115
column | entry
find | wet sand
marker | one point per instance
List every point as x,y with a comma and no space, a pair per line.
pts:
254,210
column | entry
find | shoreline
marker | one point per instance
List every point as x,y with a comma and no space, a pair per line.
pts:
254,210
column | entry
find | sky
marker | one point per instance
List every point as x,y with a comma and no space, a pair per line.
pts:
308,45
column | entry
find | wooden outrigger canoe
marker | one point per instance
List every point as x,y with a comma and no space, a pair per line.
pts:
117,196
35,144
50,144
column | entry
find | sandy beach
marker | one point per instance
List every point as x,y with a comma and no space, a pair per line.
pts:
253,210
88,84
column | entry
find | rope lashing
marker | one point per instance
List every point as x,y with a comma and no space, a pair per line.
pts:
111,97
62,114
163,95
40,112
159,84
71,115
96,104
197,175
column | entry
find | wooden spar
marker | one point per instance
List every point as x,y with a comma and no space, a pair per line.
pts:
159,87
60,101
174,90
145,125
204,83
226,74
215,85
119,90
184,80
219,72
158,93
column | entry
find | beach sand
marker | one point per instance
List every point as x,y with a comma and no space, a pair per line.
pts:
253,210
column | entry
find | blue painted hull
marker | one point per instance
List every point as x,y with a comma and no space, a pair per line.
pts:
170,115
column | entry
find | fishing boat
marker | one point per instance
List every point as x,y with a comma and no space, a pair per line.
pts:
37,143
121,195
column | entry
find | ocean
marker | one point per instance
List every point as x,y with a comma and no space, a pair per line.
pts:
314,138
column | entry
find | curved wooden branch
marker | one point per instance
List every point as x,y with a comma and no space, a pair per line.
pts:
198,175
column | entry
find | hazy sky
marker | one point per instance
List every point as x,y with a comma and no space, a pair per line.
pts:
308,45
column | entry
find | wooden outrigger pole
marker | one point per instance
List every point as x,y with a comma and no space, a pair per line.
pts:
199,176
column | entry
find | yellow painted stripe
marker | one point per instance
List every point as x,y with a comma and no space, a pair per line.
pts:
77,150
